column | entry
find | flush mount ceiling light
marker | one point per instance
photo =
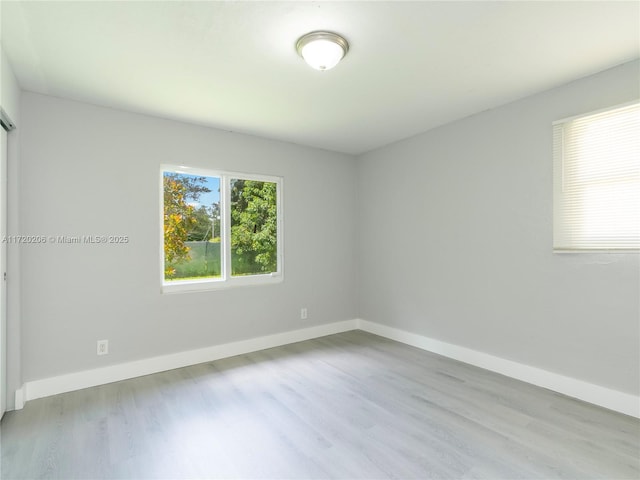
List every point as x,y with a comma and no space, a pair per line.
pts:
322,50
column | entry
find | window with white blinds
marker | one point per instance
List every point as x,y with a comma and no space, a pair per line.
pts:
597,181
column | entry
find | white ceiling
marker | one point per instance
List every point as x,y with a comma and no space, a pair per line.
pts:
233,65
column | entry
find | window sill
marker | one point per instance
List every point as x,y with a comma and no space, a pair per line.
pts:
598,250
220,284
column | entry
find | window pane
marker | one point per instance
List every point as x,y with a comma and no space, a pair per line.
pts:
597,181
191,226
254,225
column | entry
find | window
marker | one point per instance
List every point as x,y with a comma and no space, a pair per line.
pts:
597,181
219,229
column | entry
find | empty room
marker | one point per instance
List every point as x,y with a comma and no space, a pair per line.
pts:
320,240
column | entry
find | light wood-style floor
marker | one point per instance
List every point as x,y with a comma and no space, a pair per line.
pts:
352,405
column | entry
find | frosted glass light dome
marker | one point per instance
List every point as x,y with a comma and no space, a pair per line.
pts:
322,50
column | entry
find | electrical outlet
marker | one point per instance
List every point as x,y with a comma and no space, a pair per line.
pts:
303,313
103,347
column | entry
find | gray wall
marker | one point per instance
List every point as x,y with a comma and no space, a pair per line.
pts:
455,242
93,170
9,89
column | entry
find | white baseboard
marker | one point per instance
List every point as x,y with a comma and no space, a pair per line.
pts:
572,387
589,392
19,399
114,373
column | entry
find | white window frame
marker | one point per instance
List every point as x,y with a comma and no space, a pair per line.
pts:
226,280
562,232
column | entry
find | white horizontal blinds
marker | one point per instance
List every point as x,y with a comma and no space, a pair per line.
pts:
597,181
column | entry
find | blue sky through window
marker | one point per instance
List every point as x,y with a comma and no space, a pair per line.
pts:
206,199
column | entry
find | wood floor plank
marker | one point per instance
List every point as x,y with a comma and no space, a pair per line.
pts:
351,405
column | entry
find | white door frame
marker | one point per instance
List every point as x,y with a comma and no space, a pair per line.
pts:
5,126
3,270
